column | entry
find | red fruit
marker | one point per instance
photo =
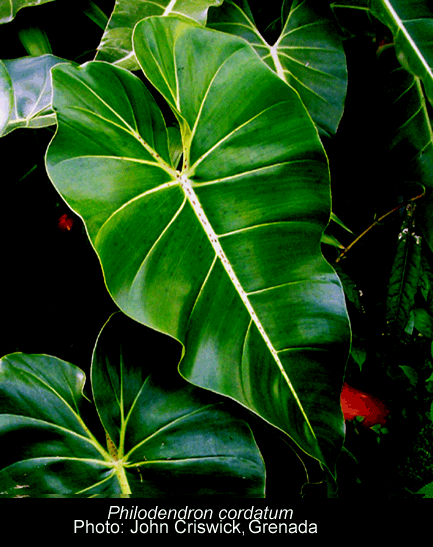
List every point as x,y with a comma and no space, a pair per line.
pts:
65,223
358,403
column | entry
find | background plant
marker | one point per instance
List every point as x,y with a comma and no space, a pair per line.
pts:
377,139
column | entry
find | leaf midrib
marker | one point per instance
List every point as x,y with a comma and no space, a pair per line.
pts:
214,240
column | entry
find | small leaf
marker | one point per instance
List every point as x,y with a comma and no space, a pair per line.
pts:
423,322
340,222
411,374
35,41
403,282
95,14
331,240
358,351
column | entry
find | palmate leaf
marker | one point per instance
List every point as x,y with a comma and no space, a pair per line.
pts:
26,92
224,254
9,8
308,54
166,437
116,44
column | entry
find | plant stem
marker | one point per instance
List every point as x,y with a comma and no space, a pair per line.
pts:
123,481
343,253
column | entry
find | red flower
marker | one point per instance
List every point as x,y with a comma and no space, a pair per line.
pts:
65,223
358,403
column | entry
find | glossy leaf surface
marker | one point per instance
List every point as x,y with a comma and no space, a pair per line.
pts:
308,54
116,44
9,8
223,255
166,437
26,92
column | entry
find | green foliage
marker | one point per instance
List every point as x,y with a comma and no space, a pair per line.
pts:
308,54
223,288
162,436
116,43
9,8
25,92
193,148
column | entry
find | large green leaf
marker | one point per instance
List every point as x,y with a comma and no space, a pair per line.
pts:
308,54
164,436
9,8
224,254
26,92
116,44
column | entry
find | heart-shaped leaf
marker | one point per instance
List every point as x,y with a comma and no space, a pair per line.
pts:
116,44
164,436
308,54
26,92
224,254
